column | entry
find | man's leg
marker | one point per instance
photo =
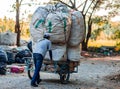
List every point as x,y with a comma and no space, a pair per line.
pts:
35,67
39,60
40,63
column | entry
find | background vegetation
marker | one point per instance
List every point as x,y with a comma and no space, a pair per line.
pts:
99,29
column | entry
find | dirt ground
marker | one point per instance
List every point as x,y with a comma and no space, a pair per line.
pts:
93,73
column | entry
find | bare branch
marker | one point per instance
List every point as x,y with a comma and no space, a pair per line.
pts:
84,5
20,2
80,5
72,7
89,21
61,2
74,3
71,2
89,7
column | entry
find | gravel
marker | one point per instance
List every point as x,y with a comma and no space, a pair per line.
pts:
91,75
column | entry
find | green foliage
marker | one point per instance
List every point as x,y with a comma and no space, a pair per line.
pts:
100,25
117,48
96,19
103,25
9,24
116,32
95,33
111,32
113,6
2,28
118,44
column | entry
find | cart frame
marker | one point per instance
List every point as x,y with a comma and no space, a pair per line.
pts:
63,68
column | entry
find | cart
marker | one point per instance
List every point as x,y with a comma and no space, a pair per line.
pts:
63,68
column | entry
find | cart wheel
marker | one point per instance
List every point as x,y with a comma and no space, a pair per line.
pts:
64,73
30,71
64,78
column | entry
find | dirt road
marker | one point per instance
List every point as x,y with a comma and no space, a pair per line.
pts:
91,75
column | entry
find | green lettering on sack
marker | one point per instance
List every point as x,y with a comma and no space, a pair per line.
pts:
39,22
65,23
50,26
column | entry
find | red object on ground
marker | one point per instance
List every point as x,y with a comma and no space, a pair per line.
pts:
17,69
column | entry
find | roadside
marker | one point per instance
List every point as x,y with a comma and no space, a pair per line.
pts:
93,73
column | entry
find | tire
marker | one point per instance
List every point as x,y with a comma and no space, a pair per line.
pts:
30,71
64,73
64,78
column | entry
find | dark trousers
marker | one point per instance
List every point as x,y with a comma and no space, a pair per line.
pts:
38,59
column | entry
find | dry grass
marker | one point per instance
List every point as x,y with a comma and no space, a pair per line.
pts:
27,38
96,43
99,43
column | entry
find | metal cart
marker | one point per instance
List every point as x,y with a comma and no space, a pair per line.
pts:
63,68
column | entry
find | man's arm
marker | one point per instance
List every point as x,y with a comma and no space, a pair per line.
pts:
50,53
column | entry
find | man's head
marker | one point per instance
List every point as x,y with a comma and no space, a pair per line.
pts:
47,35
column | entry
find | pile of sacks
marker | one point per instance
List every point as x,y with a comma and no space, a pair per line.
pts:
65,26
8,38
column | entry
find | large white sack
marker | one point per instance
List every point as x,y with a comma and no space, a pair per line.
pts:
74,53
8,38
7,48
78,30
37,34
40,13
37,27
56,24
58,52
50,8
61,8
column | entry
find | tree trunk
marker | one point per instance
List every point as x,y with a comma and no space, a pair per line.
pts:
84,45
17,25
85,41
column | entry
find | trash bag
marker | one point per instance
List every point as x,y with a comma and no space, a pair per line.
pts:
3,56
19,60
3,68
10,57
19,57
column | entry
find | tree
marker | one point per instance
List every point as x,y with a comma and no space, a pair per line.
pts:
17,6
87,8
111,31
116,32
113,7
17,25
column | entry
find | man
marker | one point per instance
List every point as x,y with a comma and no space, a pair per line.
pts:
39,52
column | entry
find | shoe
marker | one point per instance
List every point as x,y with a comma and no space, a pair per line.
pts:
39,81
34,85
